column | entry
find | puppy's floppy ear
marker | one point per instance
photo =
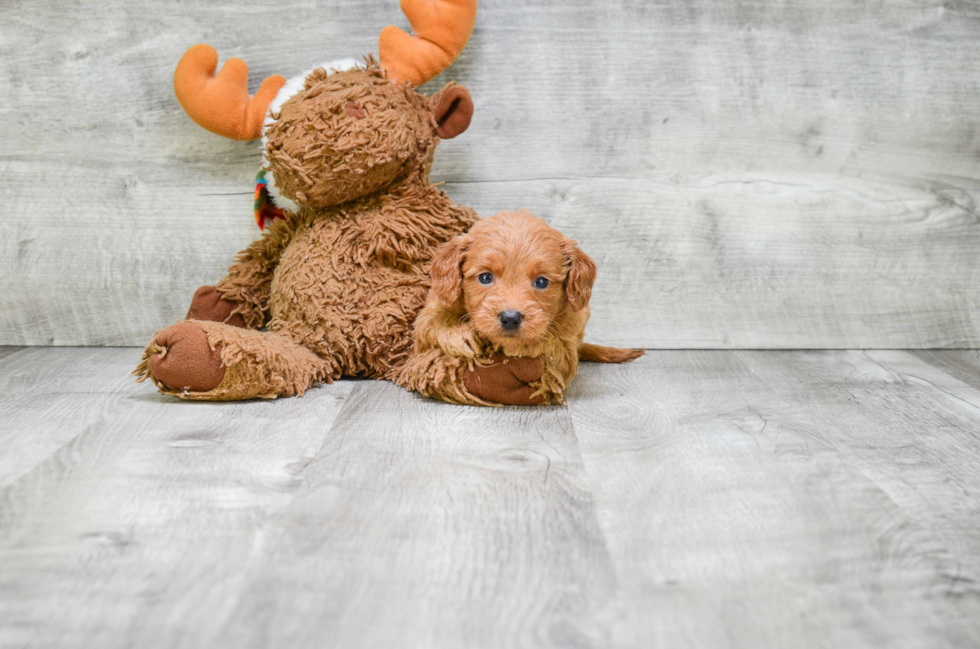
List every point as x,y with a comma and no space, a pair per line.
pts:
447,272
453,109
580,277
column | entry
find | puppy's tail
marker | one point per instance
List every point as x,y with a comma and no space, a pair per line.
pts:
599,354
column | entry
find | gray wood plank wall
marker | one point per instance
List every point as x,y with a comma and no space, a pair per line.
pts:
746,174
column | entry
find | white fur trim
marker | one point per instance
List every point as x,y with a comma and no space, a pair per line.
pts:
277,198
295,84
290,88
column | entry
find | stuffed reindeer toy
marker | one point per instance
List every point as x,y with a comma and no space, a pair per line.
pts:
340,273
335,284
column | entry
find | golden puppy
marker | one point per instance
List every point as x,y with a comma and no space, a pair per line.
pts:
506,315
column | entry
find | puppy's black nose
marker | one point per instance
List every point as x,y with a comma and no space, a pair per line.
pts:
511,320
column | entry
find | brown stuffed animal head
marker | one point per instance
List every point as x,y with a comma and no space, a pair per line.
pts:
350,133
341,131
514,277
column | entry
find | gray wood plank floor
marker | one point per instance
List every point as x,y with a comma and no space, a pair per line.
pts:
693,498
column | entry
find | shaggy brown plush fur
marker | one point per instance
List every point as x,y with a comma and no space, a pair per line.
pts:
347,135
339,284
512,263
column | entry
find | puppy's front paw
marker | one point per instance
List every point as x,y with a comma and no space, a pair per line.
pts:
459,342
506,380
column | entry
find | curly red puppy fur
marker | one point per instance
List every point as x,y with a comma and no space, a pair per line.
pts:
505,319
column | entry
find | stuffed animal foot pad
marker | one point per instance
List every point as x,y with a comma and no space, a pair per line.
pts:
490,381
209,304
511,381
180,359
213,361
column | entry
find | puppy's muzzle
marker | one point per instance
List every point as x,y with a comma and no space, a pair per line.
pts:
510,320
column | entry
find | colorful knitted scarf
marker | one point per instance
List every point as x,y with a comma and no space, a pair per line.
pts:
265,208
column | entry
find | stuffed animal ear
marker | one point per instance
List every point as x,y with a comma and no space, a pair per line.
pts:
447,270
453,110
580,277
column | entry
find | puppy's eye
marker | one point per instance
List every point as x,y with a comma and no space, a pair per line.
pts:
485,278
541,282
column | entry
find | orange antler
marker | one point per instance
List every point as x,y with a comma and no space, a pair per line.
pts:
221,103
442,28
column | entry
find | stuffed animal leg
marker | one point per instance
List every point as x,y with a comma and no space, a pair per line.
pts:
208,304
213,361
492,380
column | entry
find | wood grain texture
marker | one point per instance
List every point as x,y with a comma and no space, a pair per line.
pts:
459,526
140,527
961,364
690,499
783,499
910,427
9,350
52,396
747,175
